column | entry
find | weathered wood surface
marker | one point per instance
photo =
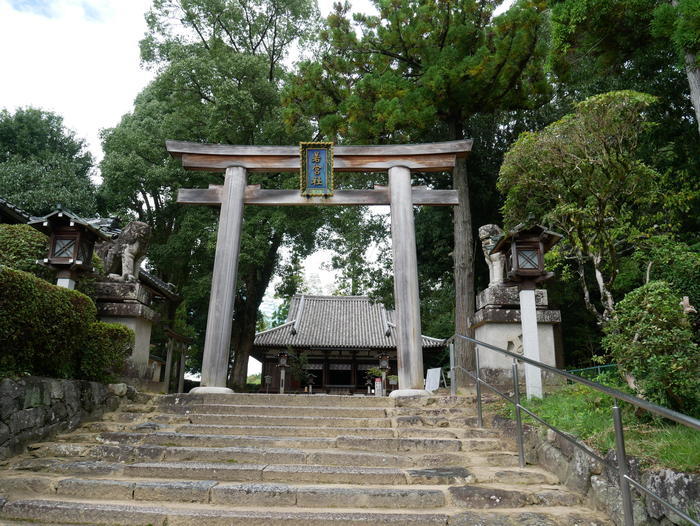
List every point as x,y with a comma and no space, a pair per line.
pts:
409,349
217,341
254,195
430,157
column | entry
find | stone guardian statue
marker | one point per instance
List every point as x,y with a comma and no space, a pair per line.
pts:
489,235
122,257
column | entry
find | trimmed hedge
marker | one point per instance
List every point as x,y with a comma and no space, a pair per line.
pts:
651,338
107,348
20,248
47,330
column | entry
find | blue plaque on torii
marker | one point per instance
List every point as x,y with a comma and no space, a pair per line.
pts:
316,168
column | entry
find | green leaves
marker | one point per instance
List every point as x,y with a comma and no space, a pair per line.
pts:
650,337
581,175
43,164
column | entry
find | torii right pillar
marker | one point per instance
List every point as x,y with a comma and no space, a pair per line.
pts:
409,350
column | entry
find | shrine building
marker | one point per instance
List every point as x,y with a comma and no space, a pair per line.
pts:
342,337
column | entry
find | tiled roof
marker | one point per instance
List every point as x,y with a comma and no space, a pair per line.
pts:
12,212
329,322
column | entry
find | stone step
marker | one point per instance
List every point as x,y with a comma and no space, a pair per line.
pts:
350,442
166,438
279,410
279,400
254,494
277,431
295,421
235,472
55,511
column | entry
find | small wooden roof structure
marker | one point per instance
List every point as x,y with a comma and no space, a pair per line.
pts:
549,238
336,322
64,216
12,214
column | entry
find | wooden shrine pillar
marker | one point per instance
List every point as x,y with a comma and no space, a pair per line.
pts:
409,350
217,343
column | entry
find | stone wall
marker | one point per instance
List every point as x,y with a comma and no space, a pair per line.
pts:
582,473
33,408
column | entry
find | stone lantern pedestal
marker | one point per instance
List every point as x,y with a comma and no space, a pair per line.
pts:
128,303
497,321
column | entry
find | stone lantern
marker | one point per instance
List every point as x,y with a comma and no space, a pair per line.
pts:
384,367
71,244
282,363
524,249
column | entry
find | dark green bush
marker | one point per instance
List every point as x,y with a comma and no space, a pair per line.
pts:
47,330
107,348
651,339
20,248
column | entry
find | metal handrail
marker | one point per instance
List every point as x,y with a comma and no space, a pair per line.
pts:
622,466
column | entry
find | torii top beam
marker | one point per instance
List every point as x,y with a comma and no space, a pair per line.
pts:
428,157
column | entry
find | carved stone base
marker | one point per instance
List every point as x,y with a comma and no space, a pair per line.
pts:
501,328
409,392
137,317
211,390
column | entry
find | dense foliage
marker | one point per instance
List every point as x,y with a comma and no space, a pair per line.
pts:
106,347
582,176
52,331
652,340
20,248
43,164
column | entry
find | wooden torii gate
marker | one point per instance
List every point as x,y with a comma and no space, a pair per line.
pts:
237,161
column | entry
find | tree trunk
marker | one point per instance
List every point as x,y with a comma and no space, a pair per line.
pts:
693,73
463,255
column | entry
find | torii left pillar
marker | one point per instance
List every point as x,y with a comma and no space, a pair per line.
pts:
217,342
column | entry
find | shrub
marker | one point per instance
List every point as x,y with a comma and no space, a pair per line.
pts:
53,331
107,347
651,339
21,246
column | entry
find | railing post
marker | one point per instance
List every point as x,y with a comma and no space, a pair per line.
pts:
622,467
479,412
453,384
518,419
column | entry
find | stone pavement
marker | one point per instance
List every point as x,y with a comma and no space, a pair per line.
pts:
254,459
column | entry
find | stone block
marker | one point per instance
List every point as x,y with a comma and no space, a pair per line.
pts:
497,297
254,495
118,389
4,433
477,497
552,460
82,513
96,488
8,406
440,475
26,419
71,395
189,491
113,291
680,489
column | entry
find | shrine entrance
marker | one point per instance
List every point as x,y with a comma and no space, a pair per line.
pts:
316,163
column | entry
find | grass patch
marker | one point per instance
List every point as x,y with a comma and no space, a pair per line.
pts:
587,414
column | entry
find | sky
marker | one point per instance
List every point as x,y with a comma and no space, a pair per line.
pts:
78,58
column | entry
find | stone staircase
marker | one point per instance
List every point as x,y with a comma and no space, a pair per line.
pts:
253,459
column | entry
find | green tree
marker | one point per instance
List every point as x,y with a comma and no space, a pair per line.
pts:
419,70
220,73
581,175
619,34
651,338
43,164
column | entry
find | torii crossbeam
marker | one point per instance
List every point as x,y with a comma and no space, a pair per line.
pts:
398,160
